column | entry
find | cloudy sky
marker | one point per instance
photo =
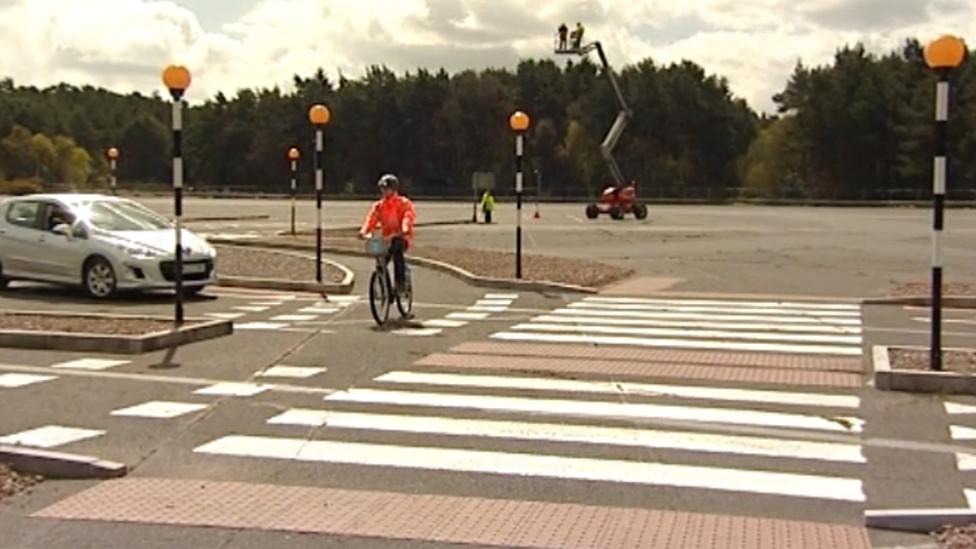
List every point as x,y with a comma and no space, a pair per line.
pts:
230,44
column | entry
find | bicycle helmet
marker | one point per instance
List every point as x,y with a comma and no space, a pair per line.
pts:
389,181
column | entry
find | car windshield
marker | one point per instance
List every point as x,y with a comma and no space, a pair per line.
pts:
121,215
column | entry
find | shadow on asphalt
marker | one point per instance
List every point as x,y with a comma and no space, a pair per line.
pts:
72,296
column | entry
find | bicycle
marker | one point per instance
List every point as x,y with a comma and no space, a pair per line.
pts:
382,293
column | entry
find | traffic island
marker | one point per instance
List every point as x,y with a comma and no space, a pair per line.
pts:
100,333
955,295
479,267
22,467
907,369
256,268
13,482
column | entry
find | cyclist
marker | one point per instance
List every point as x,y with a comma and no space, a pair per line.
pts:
396,215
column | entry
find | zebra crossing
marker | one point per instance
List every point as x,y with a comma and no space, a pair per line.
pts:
482,309
832,329
792,442
960,414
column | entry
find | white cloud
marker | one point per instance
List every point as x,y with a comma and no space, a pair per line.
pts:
122,44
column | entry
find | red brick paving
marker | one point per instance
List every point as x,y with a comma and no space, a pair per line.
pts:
447,519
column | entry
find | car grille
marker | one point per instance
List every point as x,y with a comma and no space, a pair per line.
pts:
168,269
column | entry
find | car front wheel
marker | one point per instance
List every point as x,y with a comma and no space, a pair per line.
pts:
99,279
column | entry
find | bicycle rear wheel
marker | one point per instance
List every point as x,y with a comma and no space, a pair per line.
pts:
379,296
405,302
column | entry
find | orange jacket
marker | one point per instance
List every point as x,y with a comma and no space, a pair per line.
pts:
395,214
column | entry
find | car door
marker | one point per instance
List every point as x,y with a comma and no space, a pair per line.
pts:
20,234
59,256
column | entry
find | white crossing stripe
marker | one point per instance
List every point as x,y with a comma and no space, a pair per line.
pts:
664,315
493,303
545,466
970,497
486,309
680,343
709,334
621,388
510,297
268,304
467,316
582,434
772,327
418,332
50,436
291,372
319,310
344,299
160,410
444,323
260,326
589,408
225,316
954,408
11,381
717,309
965,462
90,364
726,303
958,432
232,389
293,318
251,309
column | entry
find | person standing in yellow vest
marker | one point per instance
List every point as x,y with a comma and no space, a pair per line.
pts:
487,205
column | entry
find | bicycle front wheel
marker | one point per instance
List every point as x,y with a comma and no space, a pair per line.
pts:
379,297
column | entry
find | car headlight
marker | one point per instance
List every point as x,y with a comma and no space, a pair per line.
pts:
140,252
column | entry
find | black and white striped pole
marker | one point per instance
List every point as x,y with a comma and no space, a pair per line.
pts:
319,116
113,157
519,123
293,156
942,56
177,80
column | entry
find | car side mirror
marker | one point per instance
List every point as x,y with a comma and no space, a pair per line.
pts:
79,230
63,230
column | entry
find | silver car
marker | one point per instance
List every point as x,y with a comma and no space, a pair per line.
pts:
104,243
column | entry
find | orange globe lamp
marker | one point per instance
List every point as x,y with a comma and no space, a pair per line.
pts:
319,115
177,79
112,153
519,122
294,154
948,52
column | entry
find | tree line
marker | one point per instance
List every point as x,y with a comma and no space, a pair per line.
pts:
859,127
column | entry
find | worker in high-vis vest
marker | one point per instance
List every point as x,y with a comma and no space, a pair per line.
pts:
487,205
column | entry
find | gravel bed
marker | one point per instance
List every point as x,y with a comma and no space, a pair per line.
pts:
924,289
952,361
81,324
13,483
956,537
269,264
497,264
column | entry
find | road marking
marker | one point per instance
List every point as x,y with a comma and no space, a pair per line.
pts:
50,436
737,303
970,497
344,300
90,364
679,343
442,323
955,408
715,309
293,318
10,381
663,315
965,462
813,328
251,309
703,334
486,309
319,310
232,389
493,303
418,332
225,316
582,434
509,297
620,388
291,372
467,316
927,320
590,408
159,409
268,304
958,432
260,326
534,465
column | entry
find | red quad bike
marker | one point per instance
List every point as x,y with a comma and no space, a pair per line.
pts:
618,202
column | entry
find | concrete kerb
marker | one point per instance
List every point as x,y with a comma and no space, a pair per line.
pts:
922,521
457,272
952,302
887,378
58,465
344,287
197,329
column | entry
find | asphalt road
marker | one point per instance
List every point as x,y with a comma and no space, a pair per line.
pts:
851,252
406,411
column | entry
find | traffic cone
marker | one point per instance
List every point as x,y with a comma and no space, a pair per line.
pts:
537,215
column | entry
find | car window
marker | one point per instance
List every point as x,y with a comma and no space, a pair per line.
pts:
122,215
55,215
23,214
